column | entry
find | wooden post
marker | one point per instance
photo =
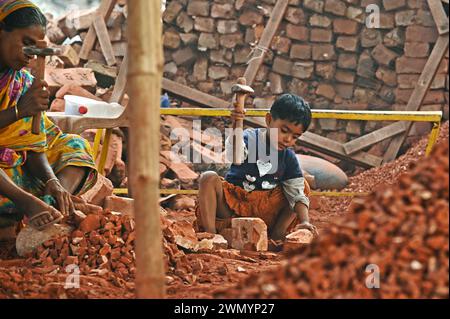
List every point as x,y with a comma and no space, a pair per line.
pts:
144,87
266,39
103,38
439,16
105,9
419,93
238,127
429,72
240,90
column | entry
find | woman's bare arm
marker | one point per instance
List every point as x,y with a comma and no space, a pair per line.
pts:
7,117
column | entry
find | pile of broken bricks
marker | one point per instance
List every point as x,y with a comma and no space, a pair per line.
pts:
393,244
100,240
100,243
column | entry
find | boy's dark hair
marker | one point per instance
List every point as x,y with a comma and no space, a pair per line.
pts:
23,18
292,108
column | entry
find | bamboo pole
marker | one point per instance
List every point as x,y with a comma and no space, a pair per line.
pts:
144,83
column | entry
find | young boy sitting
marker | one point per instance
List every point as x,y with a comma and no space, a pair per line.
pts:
274,191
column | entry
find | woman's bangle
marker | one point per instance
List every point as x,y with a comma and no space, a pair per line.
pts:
16,109
51,180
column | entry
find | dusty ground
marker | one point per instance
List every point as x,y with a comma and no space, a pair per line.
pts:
195,275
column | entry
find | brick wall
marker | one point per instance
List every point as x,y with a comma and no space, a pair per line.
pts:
323,51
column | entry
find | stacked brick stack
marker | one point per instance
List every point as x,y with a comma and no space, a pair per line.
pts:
323,51
401,231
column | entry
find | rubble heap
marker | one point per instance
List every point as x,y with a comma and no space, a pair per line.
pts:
401,230
102,244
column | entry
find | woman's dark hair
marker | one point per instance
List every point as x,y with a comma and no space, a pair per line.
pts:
23,18
292,108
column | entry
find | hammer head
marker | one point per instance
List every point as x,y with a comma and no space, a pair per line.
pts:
241,87
32,50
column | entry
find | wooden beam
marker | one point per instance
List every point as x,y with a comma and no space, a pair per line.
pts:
374,137
105,9
144,86
266,39
121,82
418,95
439,16
193,96
336,149
103,38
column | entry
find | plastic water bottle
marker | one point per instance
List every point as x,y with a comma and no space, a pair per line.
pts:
165,102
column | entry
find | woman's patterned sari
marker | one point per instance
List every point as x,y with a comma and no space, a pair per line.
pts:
16,140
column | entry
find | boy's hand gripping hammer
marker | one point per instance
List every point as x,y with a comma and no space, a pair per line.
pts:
240,90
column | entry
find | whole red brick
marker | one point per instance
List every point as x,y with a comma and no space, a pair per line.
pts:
90,223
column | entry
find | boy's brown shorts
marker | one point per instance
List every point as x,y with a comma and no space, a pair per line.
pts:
266,205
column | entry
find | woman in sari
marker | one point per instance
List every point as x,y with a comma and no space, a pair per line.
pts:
39,174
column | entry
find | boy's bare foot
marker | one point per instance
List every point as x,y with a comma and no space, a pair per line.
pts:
39,213
275,245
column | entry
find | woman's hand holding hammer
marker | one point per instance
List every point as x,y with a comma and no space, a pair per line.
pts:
35,101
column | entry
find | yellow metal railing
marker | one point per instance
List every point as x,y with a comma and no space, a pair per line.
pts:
433,137
124,191
434,117
418,116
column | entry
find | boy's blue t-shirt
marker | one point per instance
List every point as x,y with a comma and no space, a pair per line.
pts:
253,176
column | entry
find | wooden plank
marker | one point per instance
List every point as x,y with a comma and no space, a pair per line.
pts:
439,15
105,41
105,9
336,149
374,137
191,95
418,95
326,157
121,82
266,39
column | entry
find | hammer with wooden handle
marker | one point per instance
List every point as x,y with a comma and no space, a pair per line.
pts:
241,90
40,51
